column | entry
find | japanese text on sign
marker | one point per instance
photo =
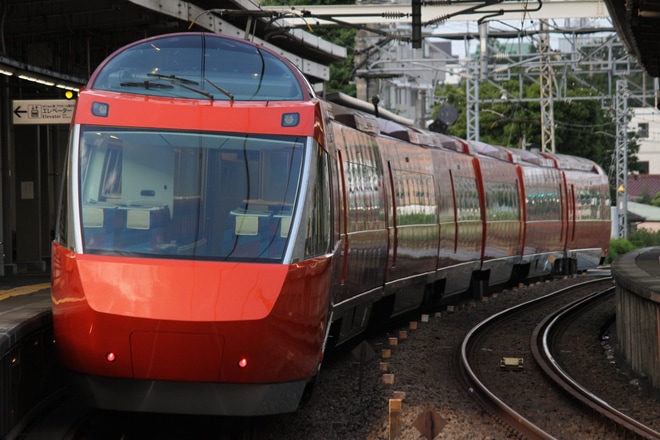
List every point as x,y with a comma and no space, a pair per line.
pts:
43,111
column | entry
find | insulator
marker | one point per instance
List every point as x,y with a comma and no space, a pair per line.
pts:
392,15
438,20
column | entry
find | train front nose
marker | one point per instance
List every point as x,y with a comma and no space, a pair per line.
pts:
174,356
236,323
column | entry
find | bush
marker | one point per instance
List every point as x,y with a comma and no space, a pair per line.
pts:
618,246
644,238
639,238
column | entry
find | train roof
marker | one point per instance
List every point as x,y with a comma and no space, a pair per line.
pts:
369,118
199,65
533,158
494,151
573,163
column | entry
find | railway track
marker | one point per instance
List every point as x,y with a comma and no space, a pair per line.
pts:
545,343
546,391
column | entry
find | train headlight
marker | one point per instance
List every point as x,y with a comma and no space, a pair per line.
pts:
100,109
290,119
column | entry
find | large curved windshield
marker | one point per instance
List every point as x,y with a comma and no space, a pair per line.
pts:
199,66
187,195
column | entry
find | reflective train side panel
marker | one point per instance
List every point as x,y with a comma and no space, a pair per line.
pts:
220,226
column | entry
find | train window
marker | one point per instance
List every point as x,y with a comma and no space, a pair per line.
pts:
318,218
200,67
363,172
543,203
188,195
502,201
590,204
415,198
467,198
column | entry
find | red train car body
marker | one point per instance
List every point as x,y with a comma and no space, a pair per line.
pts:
220,225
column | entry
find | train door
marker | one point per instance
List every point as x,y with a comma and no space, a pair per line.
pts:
571,217
568,219
362,251
364,231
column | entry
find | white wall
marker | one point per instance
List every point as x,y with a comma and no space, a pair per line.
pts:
649,146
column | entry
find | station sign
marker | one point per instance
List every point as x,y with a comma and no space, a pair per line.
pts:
43,111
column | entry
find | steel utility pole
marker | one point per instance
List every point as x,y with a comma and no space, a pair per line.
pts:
546,74
622,158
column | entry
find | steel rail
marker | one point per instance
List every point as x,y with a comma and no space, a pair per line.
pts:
479,390
542,340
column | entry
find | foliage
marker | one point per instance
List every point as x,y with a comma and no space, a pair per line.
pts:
639,238
583,127
618,246
643,237
340,72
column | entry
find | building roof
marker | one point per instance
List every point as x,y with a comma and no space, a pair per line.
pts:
642,186
643,213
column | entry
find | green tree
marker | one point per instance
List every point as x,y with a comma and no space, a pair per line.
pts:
582,127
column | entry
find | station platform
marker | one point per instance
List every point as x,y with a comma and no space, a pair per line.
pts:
637,279
639,272
24,305
29,372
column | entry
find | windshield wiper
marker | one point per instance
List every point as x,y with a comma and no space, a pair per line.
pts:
201,92
226,92
181,82
146,84
174,78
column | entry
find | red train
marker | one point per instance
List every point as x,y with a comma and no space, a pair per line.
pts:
220,225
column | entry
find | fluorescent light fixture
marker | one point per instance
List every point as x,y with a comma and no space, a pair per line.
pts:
37,80
65,87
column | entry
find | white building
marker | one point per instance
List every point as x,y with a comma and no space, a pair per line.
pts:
646,123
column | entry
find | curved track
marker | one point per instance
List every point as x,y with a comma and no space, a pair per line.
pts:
524,319
544,343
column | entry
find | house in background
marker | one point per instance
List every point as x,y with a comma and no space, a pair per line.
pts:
643,188
644,216
646,122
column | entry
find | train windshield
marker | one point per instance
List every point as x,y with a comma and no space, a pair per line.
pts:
187,195
200,66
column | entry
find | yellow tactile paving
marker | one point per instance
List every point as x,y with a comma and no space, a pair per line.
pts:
23,290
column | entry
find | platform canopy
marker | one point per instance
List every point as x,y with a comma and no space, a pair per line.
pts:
638,24
63,41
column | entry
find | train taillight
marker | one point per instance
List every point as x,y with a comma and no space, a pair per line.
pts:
243,362
110,357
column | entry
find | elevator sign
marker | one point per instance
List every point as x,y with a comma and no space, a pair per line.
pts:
43,111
